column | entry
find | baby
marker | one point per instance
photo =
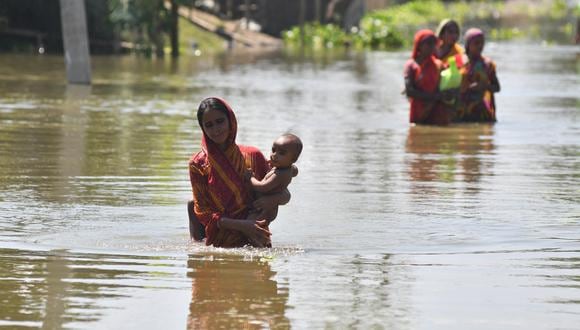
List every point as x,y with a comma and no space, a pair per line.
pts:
285,152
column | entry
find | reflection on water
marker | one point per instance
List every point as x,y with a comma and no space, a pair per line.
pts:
59,289
452,154
241,289
73,155
481,290
229,291
459,155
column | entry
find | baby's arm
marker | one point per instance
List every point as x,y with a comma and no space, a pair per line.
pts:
270,182
269,201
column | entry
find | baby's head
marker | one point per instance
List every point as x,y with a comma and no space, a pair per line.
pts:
285,150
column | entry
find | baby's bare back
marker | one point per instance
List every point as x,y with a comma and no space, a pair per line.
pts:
282,178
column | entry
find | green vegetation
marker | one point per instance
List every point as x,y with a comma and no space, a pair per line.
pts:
193,40
374,34
395,26
146,24
317,36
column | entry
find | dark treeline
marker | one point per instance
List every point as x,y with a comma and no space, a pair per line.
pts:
147,26
275,16
30,25
113,25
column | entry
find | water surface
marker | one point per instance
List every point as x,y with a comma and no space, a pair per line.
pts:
389,226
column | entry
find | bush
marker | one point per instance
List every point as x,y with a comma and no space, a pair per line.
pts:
394,27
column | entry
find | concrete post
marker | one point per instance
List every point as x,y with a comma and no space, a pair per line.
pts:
301,20
247,13
76,41
174,28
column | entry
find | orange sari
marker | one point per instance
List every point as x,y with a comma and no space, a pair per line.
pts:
455,51
218,186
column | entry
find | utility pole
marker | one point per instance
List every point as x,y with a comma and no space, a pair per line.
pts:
76,41
229,9
301,19
174,28
578,30
247,13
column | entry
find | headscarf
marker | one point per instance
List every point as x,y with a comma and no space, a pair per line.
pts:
470,35
444,23
428,70
420,36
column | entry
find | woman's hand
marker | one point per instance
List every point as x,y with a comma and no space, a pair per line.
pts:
255,230
449,95
480,86
257,233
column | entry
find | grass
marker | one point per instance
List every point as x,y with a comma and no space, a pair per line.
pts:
205,42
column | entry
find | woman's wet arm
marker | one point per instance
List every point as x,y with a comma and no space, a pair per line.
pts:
411,91
257,234
272,200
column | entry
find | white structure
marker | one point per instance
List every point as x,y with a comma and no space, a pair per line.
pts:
76,41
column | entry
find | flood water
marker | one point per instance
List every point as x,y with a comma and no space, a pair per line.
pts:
390,226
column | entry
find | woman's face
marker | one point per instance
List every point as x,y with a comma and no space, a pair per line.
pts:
427,46
216,125
450,34
476,46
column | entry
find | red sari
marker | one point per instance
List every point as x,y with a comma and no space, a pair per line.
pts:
218,186
425,77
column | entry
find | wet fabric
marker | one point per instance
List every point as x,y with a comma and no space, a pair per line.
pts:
456,52
425,76
218,186
476,106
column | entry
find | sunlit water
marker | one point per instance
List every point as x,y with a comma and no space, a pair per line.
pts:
389,226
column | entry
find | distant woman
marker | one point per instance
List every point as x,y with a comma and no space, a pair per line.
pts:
221,198
447,46
421,74
452,55
479,82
